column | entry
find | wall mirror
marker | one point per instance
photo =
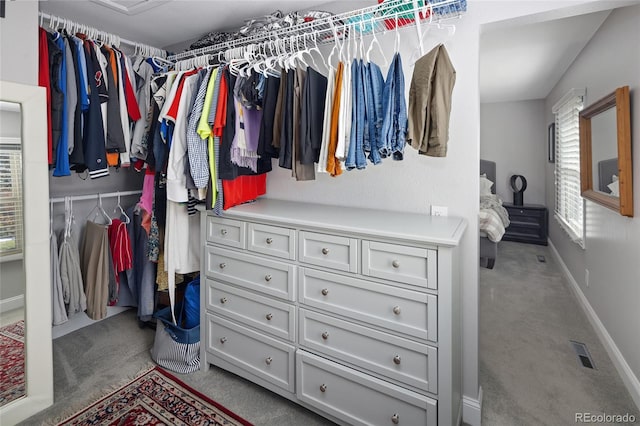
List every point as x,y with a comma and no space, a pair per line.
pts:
606,175
25,289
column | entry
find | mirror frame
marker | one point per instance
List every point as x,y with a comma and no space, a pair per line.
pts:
624,203
36,256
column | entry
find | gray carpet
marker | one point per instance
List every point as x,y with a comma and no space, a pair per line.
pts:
528,371
92,360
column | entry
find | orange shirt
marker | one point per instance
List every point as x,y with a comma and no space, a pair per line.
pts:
333,163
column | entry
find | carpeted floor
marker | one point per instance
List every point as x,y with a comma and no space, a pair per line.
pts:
11,362
100,357
529,373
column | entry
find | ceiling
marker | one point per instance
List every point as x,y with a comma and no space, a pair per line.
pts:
518,61
522,62
165,23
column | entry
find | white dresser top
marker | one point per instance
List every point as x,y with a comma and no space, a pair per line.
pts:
411,227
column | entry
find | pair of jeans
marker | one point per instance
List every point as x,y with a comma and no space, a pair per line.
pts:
355,156
394,126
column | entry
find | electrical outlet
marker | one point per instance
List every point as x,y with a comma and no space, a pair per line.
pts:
439,210
586,277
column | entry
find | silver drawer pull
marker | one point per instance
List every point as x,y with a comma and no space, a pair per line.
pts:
395,419
325,291
268,360
269,240
323,388
223,339
325,335
325,251
396,360
396,310
395,264
269,317
223,231
267,277
223,300
223,265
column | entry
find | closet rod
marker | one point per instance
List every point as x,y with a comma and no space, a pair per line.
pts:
373,19
120,40
94,196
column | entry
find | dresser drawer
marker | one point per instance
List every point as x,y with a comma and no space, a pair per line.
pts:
272,240
398,310
252,272
409,265
358,399
394,357
263,313
228,232
329,251
267,358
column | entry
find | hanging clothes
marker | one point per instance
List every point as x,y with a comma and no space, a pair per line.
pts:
58,309
71,275
326,122
286,135
394,125
300,171
120,247
44,80
430,102
93,139
265,143
95,269
311,116
334,168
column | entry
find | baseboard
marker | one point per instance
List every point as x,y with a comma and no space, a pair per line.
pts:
472,409
628,377
11,303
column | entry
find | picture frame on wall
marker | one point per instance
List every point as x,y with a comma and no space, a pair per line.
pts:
551,142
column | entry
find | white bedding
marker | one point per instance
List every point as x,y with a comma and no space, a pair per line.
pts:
493,217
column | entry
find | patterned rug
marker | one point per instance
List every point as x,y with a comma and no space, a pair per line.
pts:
155,398
11,362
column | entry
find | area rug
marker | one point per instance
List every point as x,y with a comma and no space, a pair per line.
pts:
155,398
11,362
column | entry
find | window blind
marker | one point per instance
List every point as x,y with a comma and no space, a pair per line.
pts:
11,232
569,204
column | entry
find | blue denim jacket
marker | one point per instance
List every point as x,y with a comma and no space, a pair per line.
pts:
355,156
394,126
374,86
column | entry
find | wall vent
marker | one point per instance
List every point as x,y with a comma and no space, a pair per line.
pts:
584,357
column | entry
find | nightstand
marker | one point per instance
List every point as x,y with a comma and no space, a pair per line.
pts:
529,224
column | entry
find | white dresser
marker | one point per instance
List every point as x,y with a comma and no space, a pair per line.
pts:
352,313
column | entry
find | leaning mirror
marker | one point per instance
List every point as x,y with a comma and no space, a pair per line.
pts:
25,289
606,175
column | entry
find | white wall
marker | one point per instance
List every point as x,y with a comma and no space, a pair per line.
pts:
19,42
514,135
610,60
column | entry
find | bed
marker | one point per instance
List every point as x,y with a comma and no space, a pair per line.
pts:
493,217
608,177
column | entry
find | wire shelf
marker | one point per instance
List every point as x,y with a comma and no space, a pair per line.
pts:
386,16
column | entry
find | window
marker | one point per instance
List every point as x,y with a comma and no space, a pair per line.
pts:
569,203
11,234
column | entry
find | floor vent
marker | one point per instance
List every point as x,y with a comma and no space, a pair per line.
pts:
541,258
583,354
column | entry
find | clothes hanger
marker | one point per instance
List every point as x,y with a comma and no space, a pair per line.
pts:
375,41
120,210
100,211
